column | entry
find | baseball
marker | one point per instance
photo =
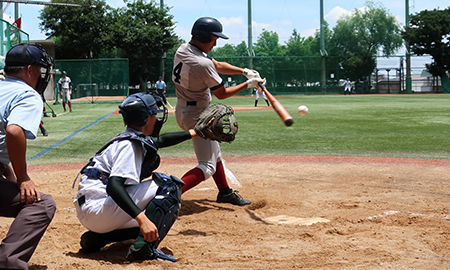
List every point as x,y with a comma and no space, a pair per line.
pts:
303,110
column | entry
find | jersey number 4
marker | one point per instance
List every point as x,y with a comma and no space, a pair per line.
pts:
177,72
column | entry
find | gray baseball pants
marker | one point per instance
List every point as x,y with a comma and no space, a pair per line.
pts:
28,227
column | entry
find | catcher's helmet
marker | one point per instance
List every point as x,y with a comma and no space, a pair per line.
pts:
137,107
204,27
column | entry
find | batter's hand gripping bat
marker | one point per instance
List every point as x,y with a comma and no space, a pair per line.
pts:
279,109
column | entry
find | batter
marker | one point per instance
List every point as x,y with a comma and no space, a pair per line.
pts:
196,75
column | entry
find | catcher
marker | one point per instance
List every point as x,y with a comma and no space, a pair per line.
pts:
196,76
114,202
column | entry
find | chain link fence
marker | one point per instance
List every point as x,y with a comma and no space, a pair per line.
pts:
95,77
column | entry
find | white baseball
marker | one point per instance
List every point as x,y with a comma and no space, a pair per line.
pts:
303,110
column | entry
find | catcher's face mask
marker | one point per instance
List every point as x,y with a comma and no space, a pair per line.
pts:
160,120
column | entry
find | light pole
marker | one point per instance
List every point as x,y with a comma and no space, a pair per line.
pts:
408,54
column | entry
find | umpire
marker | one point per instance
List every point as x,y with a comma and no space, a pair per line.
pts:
27,72
160,86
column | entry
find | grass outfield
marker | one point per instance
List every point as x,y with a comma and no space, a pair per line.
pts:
414,126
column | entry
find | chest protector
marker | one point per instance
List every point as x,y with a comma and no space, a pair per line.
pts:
151,159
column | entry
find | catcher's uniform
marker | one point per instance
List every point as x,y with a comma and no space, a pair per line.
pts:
195,76
95,209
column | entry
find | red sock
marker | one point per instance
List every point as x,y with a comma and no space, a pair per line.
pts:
64,105
41,125
192,178
219,177
70,105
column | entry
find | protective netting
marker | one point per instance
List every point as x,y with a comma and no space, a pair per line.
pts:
303,75
285,75
9,37
95,77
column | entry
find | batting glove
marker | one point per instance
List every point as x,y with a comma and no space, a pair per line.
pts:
251,73
255,82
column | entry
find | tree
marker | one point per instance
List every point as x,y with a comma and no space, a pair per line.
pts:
429,33
359,37
267,45
143,32
78,31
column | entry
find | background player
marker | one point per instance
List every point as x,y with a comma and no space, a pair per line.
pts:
160,86
258,93
65,87
113,200
348,87
196,75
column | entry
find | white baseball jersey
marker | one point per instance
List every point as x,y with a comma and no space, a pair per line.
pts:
65,82
259,93
348,85
194,74
100,213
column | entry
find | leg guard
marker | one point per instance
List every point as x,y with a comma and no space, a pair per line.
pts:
163,209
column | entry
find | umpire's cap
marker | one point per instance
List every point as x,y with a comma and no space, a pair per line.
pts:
27,54
205,26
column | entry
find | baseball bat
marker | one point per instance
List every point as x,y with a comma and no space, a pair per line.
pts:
279,109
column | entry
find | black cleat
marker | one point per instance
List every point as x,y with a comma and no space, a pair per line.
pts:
232,198
92,242
147,252
44,132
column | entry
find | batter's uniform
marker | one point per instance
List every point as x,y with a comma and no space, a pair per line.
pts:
20,105
195,76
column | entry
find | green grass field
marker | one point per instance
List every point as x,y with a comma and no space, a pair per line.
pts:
414,126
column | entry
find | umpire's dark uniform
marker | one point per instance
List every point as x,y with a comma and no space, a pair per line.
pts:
28,227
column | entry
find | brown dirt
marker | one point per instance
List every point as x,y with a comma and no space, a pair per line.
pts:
375,213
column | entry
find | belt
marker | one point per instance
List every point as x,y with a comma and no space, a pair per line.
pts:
191,103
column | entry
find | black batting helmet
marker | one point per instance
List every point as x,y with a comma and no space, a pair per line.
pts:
137,107
204,27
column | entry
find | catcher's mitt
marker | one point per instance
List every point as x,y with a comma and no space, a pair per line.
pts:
222,128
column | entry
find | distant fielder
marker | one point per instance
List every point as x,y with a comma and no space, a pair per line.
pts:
258,93
65,86
348,87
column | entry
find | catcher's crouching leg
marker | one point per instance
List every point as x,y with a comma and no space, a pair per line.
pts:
93,242
162,211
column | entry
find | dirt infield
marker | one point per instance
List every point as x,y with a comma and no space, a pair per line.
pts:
364,213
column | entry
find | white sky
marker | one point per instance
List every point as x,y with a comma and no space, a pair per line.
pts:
282,17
